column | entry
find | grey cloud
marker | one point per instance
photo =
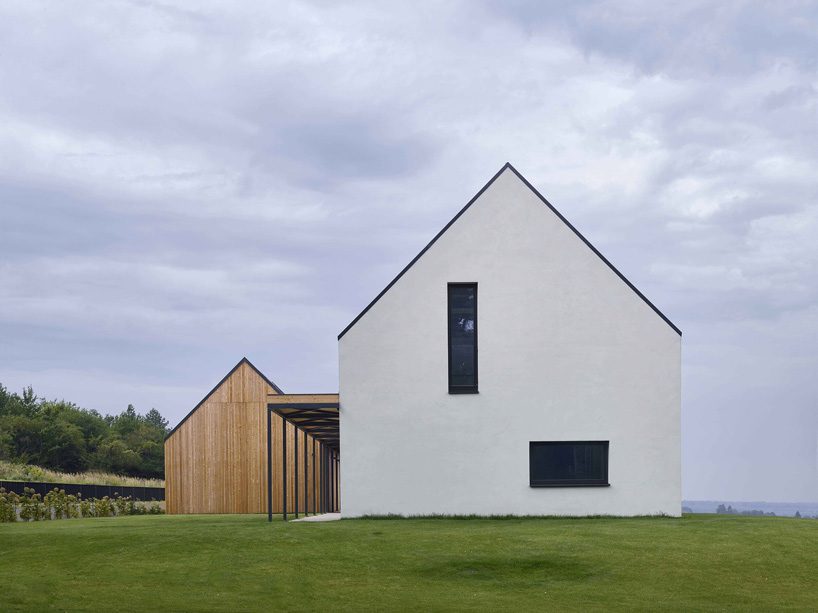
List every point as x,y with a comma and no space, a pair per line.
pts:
183,185
171,84
682,39
791,96
340,149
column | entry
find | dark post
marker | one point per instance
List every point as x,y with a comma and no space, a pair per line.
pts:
314,481
284,465
306,477
295,456
332,481
323,479
269,464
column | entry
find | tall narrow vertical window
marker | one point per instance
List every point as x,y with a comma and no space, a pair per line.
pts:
462,338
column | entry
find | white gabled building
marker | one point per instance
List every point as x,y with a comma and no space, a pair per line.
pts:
510,369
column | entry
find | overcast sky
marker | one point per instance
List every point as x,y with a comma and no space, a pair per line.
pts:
184,184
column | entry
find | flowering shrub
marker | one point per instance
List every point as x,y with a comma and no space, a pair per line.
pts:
73,508
31,506
8,505
57,501
103,507
120,504
57,505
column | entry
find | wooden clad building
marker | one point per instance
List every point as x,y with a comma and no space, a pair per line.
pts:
216,458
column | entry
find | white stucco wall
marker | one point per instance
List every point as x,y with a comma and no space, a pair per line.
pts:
567,351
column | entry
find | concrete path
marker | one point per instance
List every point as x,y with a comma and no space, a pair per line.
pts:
324,517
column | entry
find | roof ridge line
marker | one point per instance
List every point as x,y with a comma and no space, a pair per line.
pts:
426,248
594,249
243,360
509,166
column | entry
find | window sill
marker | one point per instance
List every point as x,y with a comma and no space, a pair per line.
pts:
569,485
451,391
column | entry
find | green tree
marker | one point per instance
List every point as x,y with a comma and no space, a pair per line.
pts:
63,447
115,456
25,434
155,418
60,435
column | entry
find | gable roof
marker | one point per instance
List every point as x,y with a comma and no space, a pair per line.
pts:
508,166
219,384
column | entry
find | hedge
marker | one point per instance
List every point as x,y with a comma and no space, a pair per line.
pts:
56,504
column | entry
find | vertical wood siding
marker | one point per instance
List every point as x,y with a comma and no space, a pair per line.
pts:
216,461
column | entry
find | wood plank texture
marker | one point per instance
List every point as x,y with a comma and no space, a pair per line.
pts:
301,398
216,461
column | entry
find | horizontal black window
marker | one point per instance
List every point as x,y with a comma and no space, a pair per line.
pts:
462,311
568,463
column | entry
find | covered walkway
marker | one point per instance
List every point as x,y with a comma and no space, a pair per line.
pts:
318,416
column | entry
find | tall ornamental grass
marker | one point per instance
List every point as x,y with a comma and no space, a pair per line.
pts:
11,471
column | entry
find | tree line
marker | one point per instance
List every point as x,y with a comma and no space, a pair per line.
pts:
60,435
729,510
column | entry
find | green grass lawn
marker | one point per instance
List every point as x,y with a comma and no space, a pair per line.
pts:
242,563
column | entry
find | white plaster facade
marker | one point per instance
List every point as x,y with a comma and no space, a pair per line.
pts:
567,351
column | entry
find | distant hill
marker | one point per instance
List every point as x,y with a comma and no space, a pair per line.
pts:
781,509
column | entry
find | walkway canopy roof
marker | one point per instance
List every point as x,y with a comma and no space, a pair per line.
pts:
315,414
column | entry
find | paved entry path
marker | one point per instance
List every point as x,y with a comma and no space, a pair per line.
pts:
324,517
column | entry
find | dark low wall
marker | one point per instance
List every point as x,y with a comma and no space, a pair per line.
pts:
87,491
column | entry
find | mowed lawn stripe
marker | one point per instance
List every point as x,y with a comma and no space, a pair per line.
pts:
242,563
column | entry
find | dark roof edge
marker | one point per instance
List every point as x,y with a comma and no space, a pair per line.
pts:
508,165
218,385
595,250
424,250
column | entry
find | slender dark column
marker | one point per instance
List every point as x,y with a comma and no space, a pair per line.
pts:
332,481
306,478
314,481
269,464
284,465
295,456
323,480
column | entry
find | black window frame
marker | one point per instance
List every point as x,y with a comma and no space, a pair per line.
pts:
461,389
603,482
